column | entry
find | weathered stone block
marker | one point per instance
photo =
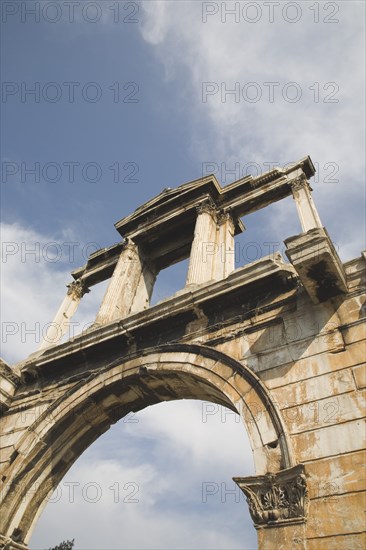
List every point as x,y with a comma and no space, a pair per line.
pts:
339,542
330,441
342,515
359,373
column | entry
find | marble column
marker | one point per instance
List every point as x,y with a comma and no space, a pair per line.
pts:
204,249
130,286
309,217
225,261
58,327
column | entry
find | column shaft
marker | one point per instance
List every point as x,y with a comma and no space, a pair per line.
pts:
144,288
225,262
57,329
130,287
204,247
308,214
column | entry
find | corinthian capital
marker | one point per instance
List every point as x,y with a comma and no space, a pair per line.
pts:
207,206
276,499
77,289
225,216
299,183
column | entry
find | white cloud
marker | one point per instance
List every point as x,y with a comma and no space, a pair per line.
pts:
325,60
179,470
35,269
153,26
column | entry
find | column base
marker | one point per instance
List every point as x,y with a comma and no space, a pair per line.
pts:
7,543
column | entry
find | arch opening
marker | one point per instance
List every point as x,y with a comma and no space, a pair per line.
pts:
166,482
88,408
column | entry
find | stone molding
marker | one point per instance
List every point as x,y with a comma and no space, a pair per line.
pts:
299,183
9,373
11,544
317,263
9,382
278,498
268,270
224,216
208,206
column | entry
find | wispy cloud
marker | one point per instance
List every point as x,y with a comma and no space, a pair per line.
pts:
35,269
320,63
165,484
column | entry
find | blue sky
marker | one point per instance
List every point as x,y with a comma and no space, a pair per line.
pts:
165,116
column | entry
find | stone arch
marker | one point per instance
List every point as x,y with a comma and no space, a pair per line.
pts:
86,408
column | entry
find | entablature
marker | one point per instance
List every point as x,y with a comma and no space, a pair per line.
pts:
171,318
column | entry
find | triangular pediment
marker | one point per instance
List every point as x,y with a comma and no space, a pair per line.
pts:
201,187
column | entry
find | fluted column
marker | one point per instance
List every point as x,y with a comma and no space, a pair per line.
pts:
308,214
144,287
130,286
204,249
225,261
58,327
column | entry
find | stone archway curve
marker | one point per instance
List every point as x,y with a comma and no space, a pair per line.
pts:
87,408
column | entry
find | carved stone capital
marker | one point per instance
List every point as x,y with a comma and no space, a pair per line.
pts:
276,499
207,206
299,183
77,289
224,216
